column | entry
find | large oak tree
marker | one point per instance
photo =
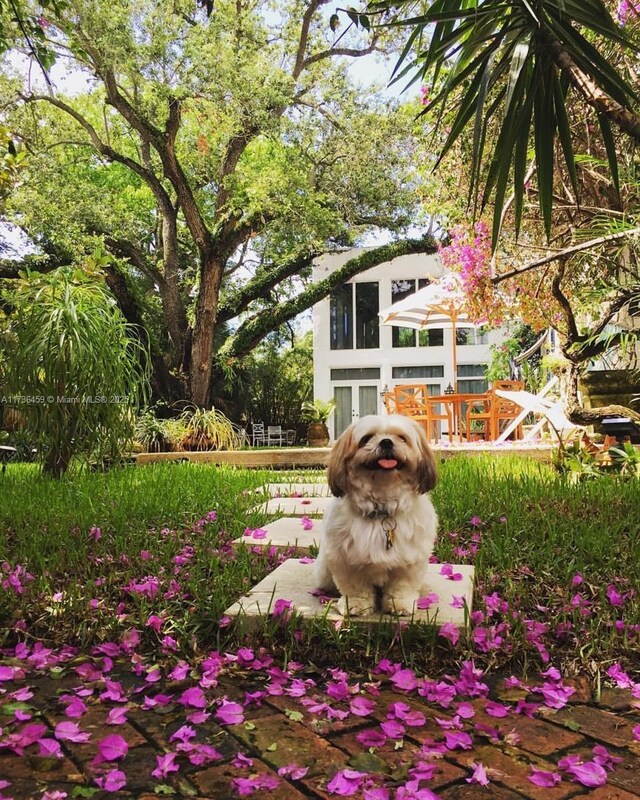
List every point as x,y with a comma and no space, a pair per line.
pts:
214,158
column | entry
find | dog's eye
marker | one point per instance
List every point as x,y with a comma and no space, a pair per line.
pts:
403,439
365,439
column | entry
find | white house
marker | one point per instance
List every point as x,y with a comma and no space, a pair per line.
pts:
356,359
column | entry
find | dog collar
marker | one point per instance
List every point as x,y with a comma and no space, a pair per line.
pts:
379,513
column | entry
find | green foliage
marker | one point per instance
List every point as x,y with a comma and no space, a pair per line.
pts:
277,156
505,70
579,463
502,358
208,429
77,368
318,410
532,529
276,380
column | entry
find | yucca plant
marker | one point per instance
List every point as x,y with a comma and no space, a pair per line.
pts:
77,370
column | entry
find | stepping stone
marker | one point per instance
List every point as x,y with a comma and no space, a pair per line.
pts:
293,581
319,489
293,506
284,533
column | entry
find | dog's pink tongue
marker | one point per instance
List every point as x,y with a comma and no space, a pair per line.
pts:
387,463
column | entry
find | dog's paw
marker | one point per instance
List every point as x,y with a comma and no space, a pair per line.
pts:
402,606
354,606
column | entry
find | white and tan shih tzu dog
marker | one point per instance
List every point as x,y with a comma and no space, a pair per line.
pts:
380,528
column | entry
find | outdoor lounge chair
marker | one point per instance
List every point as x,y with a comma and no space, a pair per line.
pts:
550,413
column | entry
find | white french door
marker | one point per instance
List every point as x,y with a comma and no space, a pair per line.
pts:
353,402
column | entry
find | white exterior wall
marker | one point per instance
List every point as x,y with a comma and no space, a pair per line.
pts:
385,357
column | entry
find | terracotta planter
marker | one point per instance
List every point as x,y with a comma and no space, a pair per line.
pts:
317,434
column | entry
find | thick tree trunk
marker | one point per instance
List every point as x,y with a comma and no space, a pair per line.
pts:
201,367
569,377
174,311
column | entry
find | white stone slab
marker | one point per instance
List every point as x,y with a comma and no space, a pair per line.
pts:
293,581
293,506
284,533
318,489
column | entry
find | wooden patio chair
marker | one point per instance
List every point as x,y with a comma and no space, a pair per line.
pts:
413,400
389,402
492,411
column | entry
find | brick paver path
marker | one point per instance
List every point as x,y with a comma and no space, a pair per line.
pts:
281,729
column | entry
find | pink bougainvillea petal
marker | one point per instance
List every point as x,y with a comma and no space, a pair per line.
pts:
230,713
371,737
346,782
589,774
112,781
479,775
70,732
543,778
111,748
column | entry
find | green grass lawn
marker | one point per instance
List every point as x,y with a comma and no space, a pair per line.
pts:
145,552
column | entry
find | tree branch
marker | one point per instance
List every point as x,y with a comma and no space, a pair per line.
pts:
101,147
593,95
299,63
341,51
569,251
253,330
126,249
261,284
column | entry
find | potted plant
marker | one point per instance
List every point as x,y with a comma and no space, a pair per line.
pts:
317,413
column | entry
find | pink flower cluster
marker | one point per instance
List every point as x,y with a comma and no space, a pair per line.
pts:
14,578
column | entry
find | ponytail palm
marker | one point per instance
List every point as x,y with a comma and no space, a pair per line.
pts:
76,370
503,71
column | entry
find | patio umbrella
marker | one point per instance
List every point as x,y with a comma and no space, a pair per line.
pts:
440,304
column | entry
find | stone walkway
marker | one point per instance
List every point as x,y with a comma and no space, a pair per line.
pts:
235,725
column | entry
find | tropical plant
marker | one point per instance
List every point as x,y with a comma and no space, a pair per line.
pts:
77,370
318,410
153,434
508,69
208,429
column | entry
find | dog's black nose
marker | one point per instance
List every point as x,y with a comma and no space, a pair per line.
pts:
385,444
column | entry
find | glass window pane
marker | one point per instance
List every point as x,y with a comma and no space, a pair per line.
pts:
367,320
472,370
402,337
355,373
472,336
343,415
463,335
368,398
431,337
477,386
405,373
341,318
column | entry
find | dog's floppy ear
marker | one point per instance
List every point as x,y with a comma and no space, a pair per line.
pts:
341,453
426,470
